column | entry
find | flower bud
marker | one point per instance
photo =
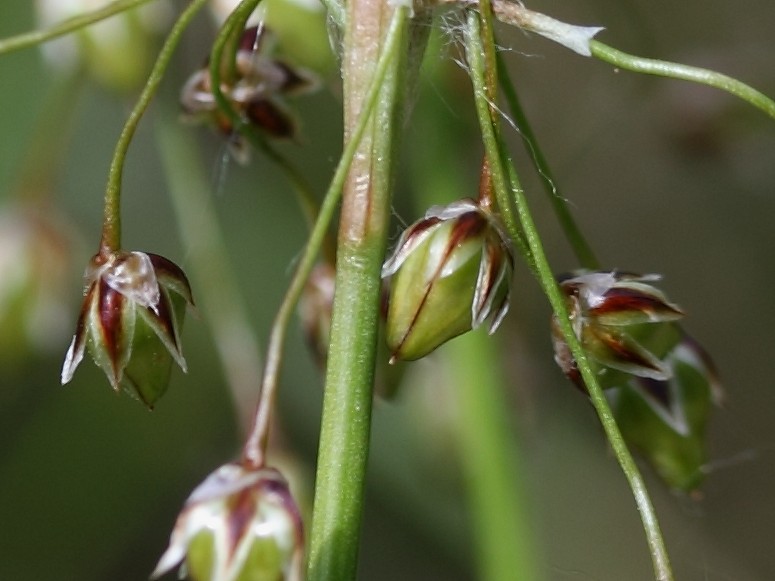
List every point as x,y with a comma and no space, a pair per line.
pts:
623,323
116,51
238,525
130,322
451,272
659,382
257,92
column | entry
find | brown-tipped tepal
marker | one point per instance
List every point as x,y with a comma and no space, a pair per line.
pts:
621,321
659,382
238,525
451,271
131,321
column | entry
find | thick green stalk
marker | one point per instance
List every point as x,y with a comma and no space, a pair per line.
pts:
346,421
37,37
573,234
255,447
545,276
683,72
111,227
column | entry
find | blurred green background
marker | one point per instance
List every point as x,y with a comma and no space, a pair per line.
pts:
663,176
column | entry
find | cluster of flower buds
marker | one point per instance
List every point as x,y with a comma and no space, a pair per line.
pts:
257,92
238,525
131,321
451,272
660,383
115,52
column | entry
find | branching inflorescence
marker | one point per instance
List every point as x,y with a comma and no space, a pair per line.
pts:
615,335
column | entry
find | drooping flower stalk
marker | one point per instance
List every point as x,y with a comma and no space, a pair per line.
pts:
223,45
578,242
683,72
545,276
495,156
580,39
111,228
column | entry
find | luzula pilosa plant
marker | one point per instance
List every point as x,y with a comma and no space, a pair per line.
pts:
615,334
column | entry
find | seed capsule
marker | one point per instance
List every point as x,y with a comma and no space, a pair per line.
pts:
451,271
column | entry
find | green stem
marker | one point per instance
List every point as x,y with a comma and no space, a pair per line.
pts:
217,288
575,237
683,72
111,228
36,37
654,537
233,25
255,446
346,420
476,58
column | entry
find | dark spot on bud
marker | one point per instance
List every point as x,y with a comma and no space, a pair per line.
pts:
270,118
252,38
656,389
